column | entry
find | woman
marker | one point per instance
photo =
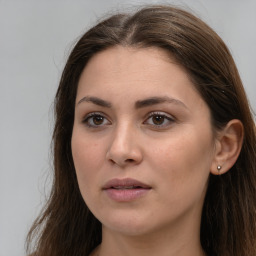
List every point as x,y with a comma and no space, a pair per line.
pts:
154,144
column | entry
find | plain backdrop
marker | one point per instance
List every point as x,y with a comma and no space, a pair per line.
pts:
35,39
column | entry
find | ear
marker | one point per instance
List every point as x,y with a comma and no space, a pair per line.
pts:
228,146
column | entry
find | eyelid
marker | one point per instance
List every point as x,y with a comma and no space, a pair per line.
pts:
169,117
160,113
93,114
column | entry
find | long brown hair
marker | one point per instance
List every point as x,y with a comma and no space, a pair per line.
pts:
228,226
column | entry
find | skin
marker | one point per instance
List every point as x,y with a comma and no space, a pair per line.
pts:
174,157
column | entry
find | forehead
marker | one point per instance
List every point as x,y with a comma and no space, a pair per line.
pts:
136,73
129,59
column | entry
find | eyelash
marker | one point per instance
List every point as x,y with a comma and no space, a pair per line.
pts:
90,117
166,118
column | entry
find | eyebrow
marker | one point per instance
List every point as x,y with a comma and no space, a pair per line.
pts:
157,100
96,101
138,104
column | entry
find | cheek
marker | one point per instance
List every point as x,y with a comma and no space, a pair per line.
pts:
87,157
182,176
183,160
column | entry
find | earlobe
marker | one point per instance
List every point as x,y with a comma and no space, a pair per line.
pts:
228,147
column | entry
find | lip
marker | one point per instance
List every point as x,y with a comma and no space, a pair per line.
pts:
124,190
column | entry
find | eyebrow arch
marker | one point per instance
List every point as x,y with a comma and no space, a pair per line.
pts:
139,104
96,101
157,100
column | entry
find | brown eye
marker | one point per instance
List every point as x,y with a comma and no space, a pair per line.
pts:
96,120
158,119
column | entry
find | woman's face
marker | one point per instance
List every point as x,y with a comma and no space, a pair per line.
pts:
142,142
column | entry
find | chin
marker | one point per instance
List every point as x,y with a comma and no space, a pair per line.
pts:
129,225
129,230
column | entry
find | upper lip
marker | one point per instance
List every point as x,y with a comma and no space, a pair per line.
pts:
127,182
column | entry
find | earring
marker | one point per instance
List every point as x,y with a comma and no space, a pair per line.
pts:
219,168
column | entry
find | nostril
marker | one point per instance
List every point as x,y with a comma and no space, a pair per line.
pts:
129,160
112,161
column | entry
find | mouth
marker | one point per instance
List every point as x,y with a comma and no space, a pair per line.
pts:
125,187
127,183
124,190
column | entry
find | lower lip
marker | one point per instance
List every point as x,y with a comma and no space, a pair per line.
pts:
125,195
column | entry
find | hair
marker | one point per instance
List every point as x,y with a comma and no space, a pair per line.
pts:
228,225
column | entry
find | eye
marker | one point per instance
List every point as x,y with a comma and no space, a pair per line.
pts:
159,120
96,120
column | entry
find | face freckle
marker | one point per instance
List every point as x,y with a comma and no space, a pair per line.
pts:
173,158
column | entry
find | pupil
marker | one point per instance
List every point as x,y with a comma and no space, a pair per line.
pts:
98,120
158,120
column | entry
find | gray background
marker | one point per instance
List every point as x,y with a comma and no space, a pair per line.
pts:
35,39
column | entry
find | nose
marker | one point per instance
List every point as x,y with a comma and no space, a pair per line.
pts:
124,147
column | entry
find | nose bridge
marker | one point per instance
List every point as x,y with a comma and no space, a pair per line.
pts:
123,132
124,146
